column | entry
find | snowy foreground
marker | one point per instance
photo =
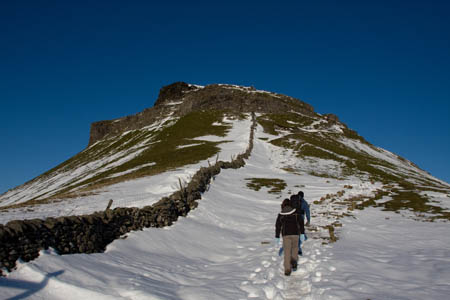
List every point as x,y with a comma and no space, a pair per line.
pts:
219,252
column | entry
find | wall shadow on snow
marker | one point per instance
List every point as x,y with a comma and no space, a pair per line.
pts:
29,287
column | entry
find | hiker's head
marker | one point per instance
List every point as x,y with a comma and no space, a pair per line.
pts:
301,194
285,203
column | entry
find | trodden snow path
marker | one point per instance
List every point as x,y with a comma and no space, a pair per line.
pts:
216,252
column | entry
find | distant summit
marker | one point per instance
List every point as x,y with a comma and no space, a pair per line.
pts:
181,98
174,92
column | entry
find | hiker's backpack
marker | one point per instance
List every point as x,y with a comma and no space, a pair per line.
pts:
296,203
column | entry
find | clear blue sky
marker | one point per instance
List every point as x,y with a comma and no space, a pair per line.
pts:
382,66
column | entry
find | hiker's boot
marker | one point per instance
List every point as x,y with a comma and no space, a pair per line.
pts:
287,273
294,266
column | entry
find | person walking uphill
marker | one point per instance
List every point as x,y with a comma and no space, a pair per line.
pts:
298,202
290,225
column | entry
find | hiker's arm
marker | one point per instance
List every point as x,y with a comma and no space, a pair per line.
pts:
307,212
277,227
301,224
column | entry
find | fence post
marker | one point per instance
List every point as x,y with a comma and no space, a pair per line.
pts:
109,204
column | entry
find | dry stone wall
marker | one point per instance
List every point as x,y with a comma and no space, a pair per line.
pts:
23,239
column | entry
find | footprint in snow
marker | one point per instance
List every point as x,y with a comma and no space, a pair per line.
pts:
280,285
259,281
269,291
310,266
305,287
302,272
318,277
266,264
271,274
252,291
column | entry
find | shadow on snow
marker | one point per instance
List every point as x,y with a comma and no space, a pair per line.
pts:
29,286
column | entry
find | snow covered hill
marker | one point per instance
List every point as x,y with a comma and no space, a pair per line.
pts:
374,201
217,251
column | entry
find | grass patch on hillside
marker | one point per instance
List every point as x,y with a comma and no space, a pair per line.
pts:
330,142
275,185
407,200
328,146
163,149
313,151
271,123
351,134
324,145
324,175
413,201
375,173
97,152
166,153
331,146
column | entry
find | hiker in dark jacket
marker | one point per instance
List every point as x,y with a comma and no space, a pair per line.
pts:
290,225
299,203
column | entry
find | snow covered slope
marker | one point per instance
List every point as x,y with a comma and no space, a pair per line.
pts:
136,169
373,201
219,252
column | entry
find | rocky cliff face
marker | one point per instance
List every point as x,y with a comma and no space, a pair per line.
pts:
181,98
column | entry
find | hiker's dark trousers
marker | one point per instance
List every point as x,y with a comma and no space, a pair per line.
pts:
290,245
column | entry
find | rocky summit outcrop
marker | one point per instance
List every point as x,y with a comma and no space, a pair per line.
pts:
173,92
181,98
